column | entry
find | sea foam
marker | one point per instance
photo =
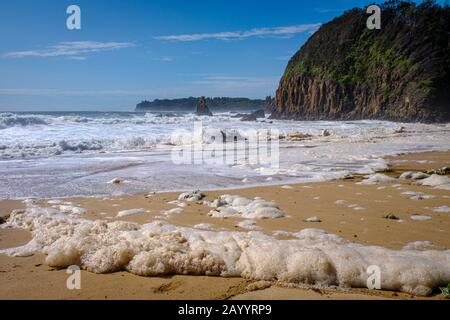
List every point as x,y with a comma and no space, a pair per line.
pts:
237,206
156,249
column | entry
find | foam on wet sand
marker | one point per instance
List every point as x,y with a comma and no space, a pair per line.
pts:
129,212
237,206
377,178
436,181
156,249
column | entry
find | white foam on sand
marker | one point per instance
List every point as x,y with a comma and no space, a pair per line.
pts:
248,224
356,207
444,209
191,196
156,249
420,217
417,195
204,226
178,203
436,181
170,212
377,178
410,175
237,206
69,208
313,219
418,245
284,233
130,212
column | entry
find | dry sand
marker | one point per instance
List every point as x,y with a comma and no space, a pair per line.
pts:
30,278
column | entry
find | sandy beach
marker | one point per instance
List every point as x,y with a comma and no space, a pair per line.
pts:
353,211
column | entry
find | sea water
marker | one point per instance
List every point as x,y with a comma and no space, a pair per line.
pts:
57,154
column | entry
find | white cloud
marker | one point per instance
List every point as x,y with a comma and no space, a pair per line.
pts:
78,58
227,82
165,59
326,10
74,50
239,35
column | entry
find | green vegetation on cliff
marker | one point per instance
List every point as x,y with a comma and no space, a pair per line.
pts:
405,64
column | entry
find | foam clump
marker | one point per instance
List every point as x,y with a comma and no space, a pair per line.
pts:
129,212
248,224
173,211
237,206
156,249
420,217
418,195
410,175
443,209
377,178
204,226
191,196
418,245
313,219
436,181
70,209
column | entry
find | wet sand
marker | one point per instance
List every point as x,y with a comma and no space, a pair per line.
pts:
30,278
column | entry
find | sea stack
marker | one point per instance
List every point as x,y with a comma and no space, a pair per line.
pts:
269,104
202,108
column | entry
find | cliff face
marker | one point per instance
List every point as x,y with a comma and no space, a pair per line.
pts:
346,71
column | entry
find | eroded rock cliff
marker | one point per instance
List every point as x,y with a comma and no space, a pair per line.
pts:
346,71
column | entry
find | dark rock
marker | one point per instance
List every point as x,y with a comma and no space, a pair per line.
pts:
269,104
391,216
4,217
254,116
347,72
202,108
442,171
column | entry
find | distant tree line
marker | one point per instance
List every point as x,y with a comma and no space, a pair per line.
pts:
190,104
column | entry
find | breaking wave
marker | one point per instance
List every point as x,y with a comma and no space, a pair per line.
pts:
8,120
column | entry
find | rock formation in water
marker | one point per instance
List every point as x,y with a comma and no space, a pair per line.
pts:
269,104
254,115
202,108
346,71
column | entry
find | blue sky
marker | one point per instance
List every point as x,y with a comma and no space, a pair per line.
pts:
132,50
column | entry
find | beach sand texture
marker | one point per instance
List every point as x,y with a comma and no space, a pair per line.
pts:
232,241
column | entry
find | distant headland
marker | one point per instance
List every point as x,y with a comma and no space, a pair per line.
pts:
190,104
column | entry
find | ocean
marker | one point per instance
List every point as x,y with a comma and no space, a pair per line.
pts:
64,154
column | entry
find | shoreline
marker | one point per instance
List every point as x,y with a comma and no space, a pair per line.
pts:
299,201
268,184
